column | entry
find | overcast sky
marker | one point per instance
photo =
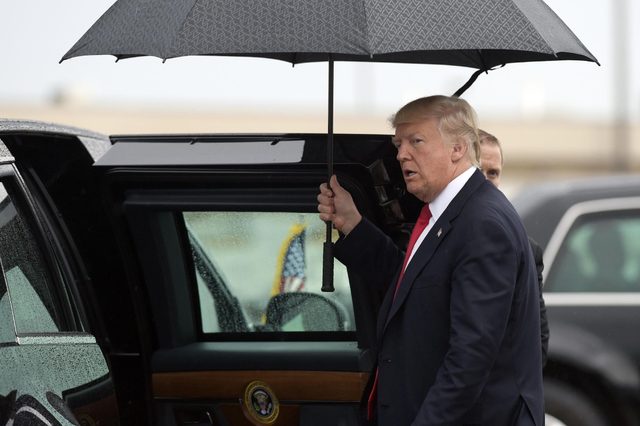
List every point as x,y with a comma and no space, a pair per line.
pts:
34,35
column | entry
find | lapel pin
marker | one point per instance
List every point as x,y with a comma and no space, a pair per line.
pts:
439,232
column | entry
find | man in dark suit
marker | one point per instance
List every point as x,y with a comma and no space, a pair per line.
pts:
491,163
458,329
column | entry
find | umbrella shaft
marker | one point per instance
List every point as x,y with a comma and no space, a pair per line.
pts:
330,137
330,123
327,261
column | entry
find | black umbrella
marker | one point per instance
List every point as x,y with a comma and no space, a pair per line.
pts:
480,34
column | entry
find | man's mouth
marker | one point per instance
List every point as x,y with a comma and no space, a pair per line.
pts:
408,173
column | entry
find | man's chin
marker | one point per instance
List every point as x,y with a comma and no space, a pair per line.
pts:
415,190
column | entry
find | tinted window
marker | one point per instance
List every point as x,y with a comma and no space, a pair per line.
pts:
34,306
600,254
247,265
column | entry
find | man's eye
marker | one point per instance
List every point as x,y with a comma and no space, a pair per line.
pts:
415,141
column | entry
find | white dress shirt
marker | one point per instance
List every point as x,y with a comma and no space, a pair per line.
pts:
441,202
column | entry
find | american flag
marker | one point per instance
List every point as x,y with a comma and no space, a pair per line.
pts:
291,272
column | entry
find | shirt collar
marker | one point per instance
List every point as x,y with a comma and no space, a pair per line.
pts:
441,202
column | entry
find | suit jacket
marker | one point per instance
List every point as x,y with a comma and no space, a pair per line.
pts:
460,344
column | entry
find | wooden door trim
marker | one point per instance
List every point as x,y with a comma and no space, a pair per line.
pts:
336,386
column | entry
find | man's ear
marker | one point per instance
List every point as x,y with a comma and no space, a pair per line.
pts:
459,150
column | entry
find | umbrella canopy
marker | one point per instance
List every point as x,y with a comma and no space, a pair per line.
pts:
480,34
473,33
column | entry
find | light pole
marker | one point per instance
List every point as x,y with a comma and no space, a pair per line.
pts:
621,133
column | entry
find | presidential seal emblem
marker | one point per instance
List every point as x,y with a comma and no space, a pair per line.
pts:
259,404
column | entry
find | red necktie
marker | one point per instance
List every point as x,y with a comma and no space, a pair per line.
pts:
421,223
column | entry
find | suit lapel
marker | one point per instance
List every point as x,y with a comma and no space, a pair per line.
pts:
420,259
428,247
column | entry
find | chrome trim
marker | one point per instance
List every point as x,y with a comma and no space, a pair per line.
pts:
591,299
5,154
570,216
56,339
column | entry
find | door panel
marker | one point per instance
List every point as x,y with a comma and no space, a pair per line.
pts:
301,375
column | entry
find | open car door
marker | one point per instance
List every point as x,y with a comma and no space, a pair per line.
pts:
53,370
222,247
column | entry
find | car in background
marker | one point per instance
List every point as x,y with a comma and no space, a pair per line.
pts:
590,232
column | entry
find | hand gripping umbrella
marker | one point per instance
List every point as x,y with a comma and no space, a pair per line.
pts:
480,34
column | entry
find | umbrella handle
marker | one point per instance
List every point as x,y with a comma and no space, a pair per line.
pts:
327,266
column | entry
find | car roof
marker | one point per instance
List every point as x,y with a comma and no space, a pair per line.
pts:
34,126
541,206
95,143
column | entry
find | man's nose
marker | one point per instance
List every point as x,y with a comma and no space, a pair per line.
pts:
403,153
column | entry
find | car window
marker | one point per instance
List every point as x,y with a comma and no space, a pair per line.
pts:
599,254
270,265
33,305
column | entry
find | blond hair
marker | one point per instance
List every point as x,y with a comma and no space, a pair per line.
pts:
457,121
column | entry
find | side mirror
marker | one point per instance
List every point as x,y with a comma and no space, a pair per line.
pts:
304,312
